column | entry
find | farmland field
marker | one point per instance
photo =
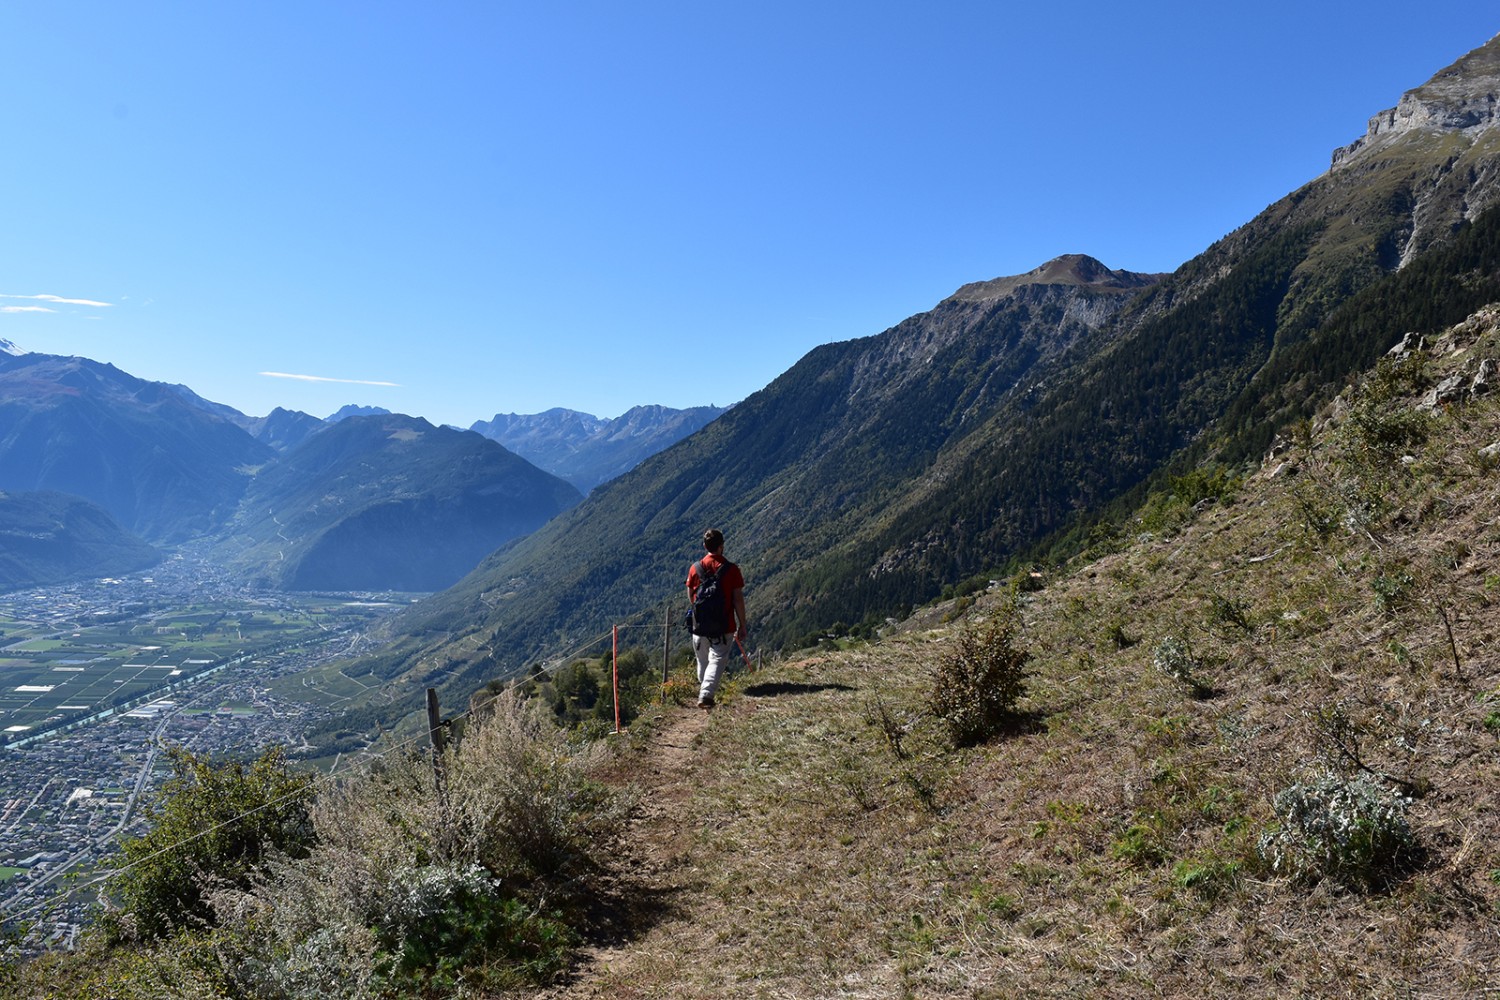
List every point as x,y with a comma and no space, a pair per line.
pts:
54,673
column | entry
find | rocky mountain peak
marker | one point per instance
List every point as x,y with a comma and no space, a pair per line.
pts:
1074,269
1465,97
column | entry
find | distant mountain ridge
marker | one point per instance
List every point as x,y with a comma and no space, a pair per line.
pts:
352,410
166,468
292,501
587,450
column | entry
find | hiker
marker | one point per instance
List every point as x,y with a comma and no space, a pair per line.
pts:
716,591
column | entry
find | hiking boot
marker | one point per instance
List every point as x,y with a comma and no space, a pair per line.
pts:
706,702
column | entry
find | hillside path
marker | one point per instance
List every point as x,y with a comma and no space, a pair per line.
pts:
661,772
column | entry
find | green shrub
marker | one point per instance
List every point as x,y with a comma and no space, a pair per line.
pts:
424,888
1351,830
979,680
1393,590
444,928
1229,612
213,826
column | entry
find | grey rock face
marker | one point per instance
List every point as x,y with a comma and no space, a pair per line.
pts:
1448,390
1465,97
1484,378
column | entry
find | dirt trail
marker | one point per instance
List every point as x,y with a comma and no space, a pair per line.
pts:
661,771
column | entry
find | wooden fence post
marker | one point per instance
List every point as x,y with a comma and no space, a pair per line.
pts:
615,659
435,725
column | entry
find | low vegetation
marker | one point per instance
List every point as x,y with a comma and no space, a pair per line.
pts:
980,678
402,880
1248,750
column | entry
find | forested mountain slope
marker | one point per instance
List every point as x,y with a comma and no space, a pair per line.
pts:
50,537
876,471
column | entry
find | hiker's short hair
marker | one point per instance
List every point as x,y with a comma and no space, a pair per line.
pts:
713,539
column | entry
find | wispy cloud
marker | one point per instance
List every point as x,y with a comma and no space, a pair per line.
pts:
25,309
321,378
54,299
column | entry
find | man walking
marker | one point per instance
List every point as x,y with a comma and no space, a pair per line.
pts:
716,591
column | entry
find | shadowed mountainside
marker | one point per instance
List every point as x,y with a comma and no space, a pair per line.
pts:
386,503
51,537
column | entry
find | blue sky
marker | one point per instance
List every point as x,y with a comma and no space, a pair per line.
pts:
458,209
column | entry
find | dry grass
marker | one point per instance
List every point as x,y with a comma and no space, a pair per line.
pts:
818,836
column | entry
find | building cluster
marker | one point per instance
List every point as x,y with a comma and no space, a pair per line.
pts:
68,798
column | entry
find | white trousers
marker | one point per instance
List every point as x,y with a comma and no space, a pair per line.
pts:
713,661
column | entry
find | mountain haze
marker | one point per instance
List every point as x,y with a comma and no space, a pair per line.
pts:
51,537
587,450
878,470
386,503
166,468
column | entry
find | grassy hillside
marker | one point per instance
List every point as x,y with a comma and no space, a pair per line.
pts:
825,839
1254,757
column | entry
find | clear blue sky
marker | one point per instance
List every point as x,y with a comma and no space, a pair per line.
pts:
510,206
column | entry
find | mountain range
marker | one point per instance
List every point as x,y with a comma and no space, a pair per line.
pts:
364,499
1007,424
1004,423
166,467
587,450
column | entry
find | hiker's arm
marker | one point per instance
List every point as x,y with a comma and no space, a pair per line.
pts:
739,614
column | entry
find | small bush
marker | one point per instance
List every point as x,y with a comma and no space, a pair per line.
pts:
1143,842
1350,830
1174,657
214,824
1229,612
979,680
446,927
1118,637
1393,591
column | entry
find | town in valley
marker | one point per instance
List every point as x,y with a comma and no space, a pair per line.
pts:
99,678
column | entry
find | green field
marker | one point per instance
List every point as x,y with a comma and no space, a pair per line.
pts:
325,685
52,677
6,874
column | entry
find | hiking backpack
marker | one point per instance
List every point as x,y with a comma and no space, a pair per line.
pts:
709,615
